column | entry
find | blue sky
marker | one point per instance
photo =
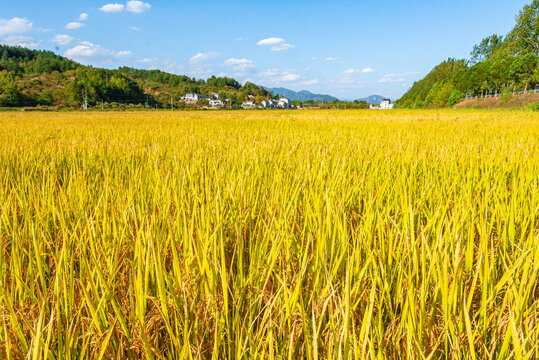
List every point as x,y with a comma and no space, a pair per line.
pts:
349,49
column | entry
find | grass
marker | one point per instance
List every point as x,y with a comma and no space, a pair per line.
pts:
521,102
269,235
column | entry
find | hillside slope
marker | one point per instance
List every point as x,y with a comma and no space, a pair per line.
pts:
497,65
524,101
32,78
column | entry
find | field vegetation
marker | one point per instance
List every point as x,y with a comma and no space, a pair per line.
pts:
269,235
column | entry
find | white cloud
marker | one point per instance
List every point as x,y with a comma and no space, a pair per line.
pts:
201,57
62,39
240,65
275,76
74,25
396,78
389,79
410,73
15,25
271,41
146,60
368,70
349,78
277,44
350,72
134,28
288,77
201,72
168,65
136,6
83,17
282,47
20,40
233,62
334,60
241,39
270,73
88,52
112,8
311,82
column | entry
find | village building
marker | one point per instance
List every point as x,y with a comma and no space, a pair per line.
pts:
193,98
284,103
249,104
268,104
386,104
216,103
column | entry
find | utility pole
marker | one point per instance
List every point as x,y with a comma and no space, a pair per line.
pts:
85,96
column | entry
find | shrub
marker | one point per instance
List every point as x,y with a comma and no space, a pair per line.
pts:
439,94
507,92
454,98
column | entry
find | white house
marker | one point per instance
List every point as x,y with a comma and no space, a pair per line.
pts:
193,98
249,104
284,103
214,96
386,104
268,104
216,103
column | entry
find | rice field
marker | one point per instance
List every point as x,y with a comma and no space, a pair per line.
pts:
269,235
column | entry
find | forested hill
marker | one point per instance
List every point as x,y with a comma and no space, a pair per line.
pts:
498,65
31,78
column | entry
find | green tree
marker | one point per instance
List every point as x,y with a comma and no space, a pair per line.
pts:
45,98
439,94
454,98
499,70
522,69
524,38
10,95
486,48
444,72
535,77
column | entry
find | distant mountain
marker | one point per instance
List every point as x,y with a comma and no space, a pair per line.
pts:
305,95
302,95
374,99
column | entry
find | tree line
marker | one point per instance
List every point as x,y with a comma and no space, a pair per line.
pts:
31,78
497,65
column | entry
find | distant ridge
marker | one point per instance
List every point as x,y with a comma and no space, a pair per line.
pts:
374,99
302,95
